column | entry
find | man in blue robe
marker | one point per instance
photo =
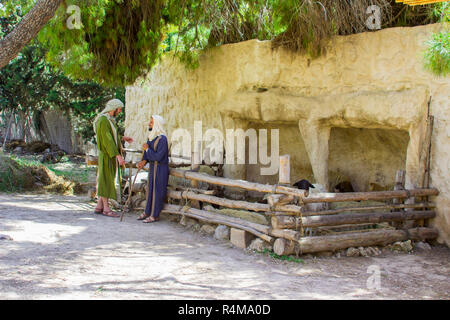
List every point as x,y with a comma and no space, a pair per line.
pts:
157,155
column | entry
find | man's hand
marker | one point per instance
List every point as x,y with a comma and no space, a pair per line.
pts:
145,146
141,164
120,159
128,139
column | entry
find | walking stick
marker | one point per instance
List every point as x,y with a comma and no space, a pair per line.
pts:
130,190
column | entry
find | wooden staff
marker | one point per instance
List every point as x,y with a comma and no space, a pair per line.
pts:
130,190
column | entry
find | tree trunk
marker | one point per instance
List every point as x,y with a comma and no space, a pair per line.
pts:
27,29
8,129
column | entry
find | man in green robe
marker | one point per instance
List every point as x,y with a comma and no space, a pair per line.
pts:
109,156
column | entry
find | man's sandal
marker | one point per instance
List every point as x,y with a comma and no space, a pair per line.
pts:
110,214
98,211
150,220
143,216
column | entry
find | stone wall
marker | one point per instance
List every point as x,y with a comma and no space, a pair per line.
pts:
358,111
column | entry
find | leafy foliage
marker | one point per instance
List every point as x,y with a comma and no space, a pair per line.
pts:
29,86
437,54
283,257
119,41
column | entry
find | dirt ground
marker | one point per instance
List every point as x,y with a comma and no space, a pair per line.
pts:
61,250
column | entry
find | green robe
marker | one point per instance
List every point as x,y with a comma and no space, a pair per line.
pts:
107,162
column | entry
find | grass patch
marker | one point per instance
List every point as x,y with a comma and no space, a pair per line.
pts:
284,257
64,168
18,174
80,175
14,176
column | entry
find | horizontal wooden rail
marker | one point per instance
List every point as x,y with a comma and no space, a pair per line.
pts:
365,196
342,241
263,231
369,208
235,204
256,229
283,222
226,182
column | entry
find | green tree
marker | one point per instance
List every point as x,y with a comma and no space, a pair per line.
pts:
116,41
437,54
29,86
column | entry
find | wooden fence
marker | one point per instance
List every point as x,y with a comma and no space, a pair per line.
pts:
400,214
289,221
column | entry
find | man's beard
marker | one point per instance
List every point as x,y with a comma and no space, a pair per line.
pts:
150,129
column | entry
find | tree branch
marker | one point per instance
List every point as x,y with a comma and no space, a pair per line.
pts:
27,29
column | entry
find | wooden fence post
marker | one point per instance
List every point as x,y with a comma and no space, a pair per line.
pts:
399,185
284,175
425,161
196,160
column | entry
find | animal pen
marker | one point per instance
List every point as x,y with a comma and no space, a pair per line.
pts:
294,226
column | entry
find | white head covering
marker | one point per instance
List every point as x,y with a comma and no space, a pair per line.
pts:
111,105
158,127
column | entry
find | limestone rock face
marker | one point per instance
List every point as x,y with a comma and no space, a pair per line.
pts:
357,113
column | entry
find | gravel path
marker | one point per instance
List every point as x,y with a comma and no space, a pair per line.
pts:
61,250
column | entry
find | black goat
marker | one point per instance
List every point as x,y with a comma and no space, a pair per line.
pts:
303,184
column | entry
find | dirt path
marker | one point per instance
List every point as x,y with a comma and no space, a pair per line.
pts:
60,250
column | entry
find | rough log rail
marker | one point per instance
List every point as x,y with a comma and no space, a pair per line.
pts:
369,208
283,222
234,204
246,185
256,229
263,231
342,241
365,196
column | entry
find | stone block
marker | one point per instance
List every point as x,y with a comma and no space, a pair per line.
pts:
241,238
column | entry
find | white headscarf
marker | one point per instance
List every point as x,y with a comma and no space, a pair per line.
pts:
158,127
111,105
